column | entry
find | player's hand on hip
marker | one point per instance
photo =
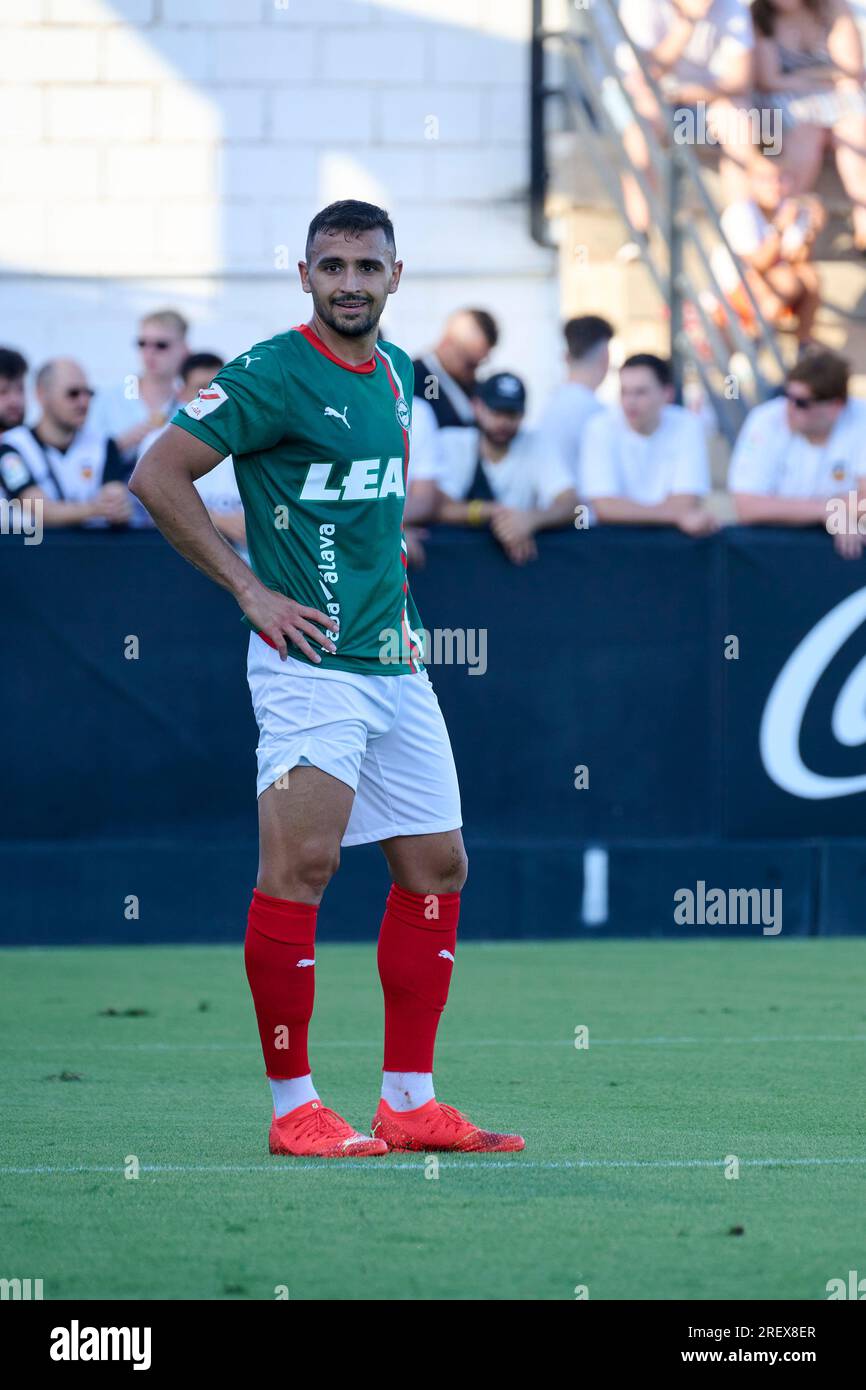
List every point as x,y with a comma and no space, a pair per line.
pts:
286,622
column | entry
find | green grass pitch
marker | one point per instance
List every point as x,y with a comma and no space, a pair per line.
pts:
697,1051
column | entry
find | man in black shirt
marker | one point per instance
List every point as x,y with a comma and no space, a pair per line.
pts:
74,472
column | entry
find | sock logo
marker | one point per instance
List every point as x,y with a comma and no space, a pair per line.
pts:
305,962
447,956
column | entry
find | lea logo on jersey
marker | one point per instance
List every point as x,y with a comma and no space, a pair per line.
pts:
207,400
402,409
367,480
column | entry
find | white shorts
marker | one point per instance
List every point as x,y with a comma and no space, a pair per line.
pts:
384,736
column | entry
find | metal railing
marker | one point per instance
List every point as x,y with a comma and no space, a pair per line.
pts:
674,253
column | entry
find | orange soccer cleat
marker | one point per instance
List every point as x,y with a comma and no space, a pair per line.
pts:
314,1131
439,1127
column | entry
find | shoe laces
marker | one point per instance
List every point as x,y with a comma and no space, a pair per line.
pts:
322,1121
456,1117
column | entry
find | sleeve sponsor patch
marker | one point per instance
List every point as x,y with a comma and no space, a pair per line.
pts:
207,400
14,472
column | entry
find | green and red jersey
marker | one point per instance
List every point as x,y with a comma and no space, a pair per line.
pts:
321,453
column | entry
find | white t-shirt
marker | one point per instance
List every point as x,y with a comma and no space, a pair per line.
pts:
218,489
75,475
532,474
564,420
424,442
113,412
769,459
715,41
616,461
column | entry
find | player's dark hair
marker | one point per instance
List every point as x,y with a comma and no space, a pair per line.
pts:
826,373
198,361
660,368
487,323
583,335
12,365
352,218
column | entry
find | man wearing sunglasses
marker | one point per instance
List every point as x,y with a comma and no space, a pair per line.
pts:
75,472
797,453
131,409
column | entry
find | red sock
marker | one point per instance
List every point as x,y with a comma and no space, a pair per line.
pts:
417,941
279,954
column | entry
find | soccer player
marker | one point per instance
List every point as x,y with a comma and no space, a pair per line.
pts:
352,743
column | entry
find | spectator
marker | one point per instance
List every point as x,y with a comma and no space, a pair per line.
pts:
445,378
700,52
76,472
13,397
218,489
13,405
646,464
130,411
774,234
587,360
796,452
500,475
444,383
809,65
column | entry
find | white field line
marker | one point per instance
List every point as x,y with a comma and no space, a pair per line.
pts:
282,1165
724,1040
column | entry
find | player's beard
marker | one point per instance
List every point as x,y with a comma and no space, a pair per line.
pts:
356,326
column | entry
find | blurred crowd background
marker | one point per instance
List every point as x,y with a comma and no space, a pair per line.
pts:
527,417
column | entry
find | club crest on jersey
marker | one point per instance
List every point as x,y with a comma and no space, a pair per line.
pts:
403,415
208,398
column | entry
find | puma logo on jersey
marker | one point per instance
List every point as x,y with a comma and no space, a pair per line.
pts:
329,410
247,359
447,956
305,962
366,480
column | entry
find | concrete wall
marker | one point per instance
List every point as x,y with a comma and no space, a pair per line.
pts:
173,151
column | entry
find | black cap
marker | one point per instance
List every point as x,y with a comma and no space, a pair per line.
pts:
502,391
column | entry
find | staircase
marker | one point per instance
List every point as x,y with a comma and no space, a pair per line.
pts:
577,208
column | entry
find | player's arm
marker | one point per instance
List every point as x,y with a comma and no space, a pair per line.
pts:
163,481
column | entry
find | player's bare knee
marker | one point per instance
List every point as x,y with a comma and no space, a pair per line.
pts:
314,863
304,874
453,871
